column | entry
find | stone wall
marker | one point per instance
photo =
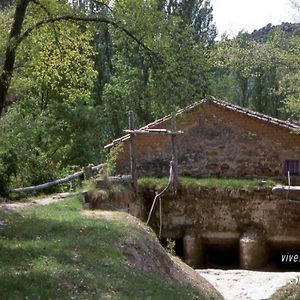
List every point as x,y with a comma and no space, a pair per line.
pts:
217,142
247,224
210,209
257,219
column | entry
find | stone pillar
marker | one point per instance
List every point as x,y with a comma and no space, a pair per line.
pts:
253,251
192,249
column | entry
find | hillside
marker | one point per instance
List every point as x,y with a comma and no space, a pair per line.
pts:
261,34
58,251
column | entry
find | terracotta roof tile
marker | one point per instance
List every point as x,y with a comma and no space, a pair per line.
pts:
218,102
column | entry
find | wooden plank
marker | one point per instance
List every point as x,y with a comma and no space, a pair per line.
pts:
160,131
156,130
174,150
133,152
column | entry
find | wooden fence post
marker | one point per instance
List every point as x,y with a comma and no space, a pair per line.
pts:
174,149
133,152
87,172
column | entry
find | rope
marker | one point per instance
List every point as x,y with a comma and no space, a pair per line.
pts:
160,218
158,196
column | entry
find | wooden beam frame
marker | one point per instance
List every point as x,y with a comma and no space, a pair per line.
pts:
172,133
133,169
153,131
174,151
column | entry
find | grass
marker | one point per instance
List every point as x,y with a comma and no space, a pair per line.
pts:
290,291
55,252
209,182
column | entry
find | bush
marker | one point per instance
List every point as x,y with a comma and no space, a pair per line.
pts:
8,168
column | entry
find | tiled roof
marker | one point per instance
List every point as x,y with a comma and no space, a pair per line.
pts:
221,103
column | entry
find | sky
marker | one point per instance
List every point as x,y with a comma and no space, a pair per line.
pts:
232,16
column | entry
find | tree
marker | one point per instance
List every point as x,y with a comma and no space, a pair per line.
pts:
251,73
16,36
291,81
233,61
54,97
10,55
76,74
196,14
150,87
290,84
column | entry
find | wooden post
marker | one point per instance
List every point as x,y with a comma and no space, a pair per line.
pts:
133,152
174,149
87,172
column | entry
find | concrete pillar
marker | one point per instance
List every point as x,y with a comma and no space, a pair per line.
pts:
253,251
192,250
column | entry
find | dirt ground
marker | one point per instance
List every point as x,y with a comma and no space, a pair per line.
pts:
245,285
12,205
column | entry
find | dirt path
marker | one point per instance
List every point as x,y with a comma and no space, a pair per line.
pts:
245,285
12,205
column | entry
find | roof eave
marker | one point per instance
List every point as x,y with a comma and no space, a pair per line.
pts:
210,99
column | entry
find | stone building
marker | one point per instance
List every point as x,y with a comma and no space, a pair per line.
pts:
220,140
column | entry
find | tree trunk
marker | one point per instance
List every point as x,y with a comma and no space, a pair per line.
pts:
108,50
10,55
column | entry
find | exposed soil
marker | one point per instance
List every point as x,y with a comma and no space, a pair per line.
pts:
245,285
13,205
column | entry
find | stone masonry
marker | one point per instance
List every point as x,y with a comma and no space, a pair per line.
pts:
251,225
221,140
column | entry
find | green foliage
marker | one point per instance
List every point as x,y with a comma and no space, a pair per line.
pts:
170,248
111,159
196,14
257,74
152,84
290,82
8,168
75,82
53,121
